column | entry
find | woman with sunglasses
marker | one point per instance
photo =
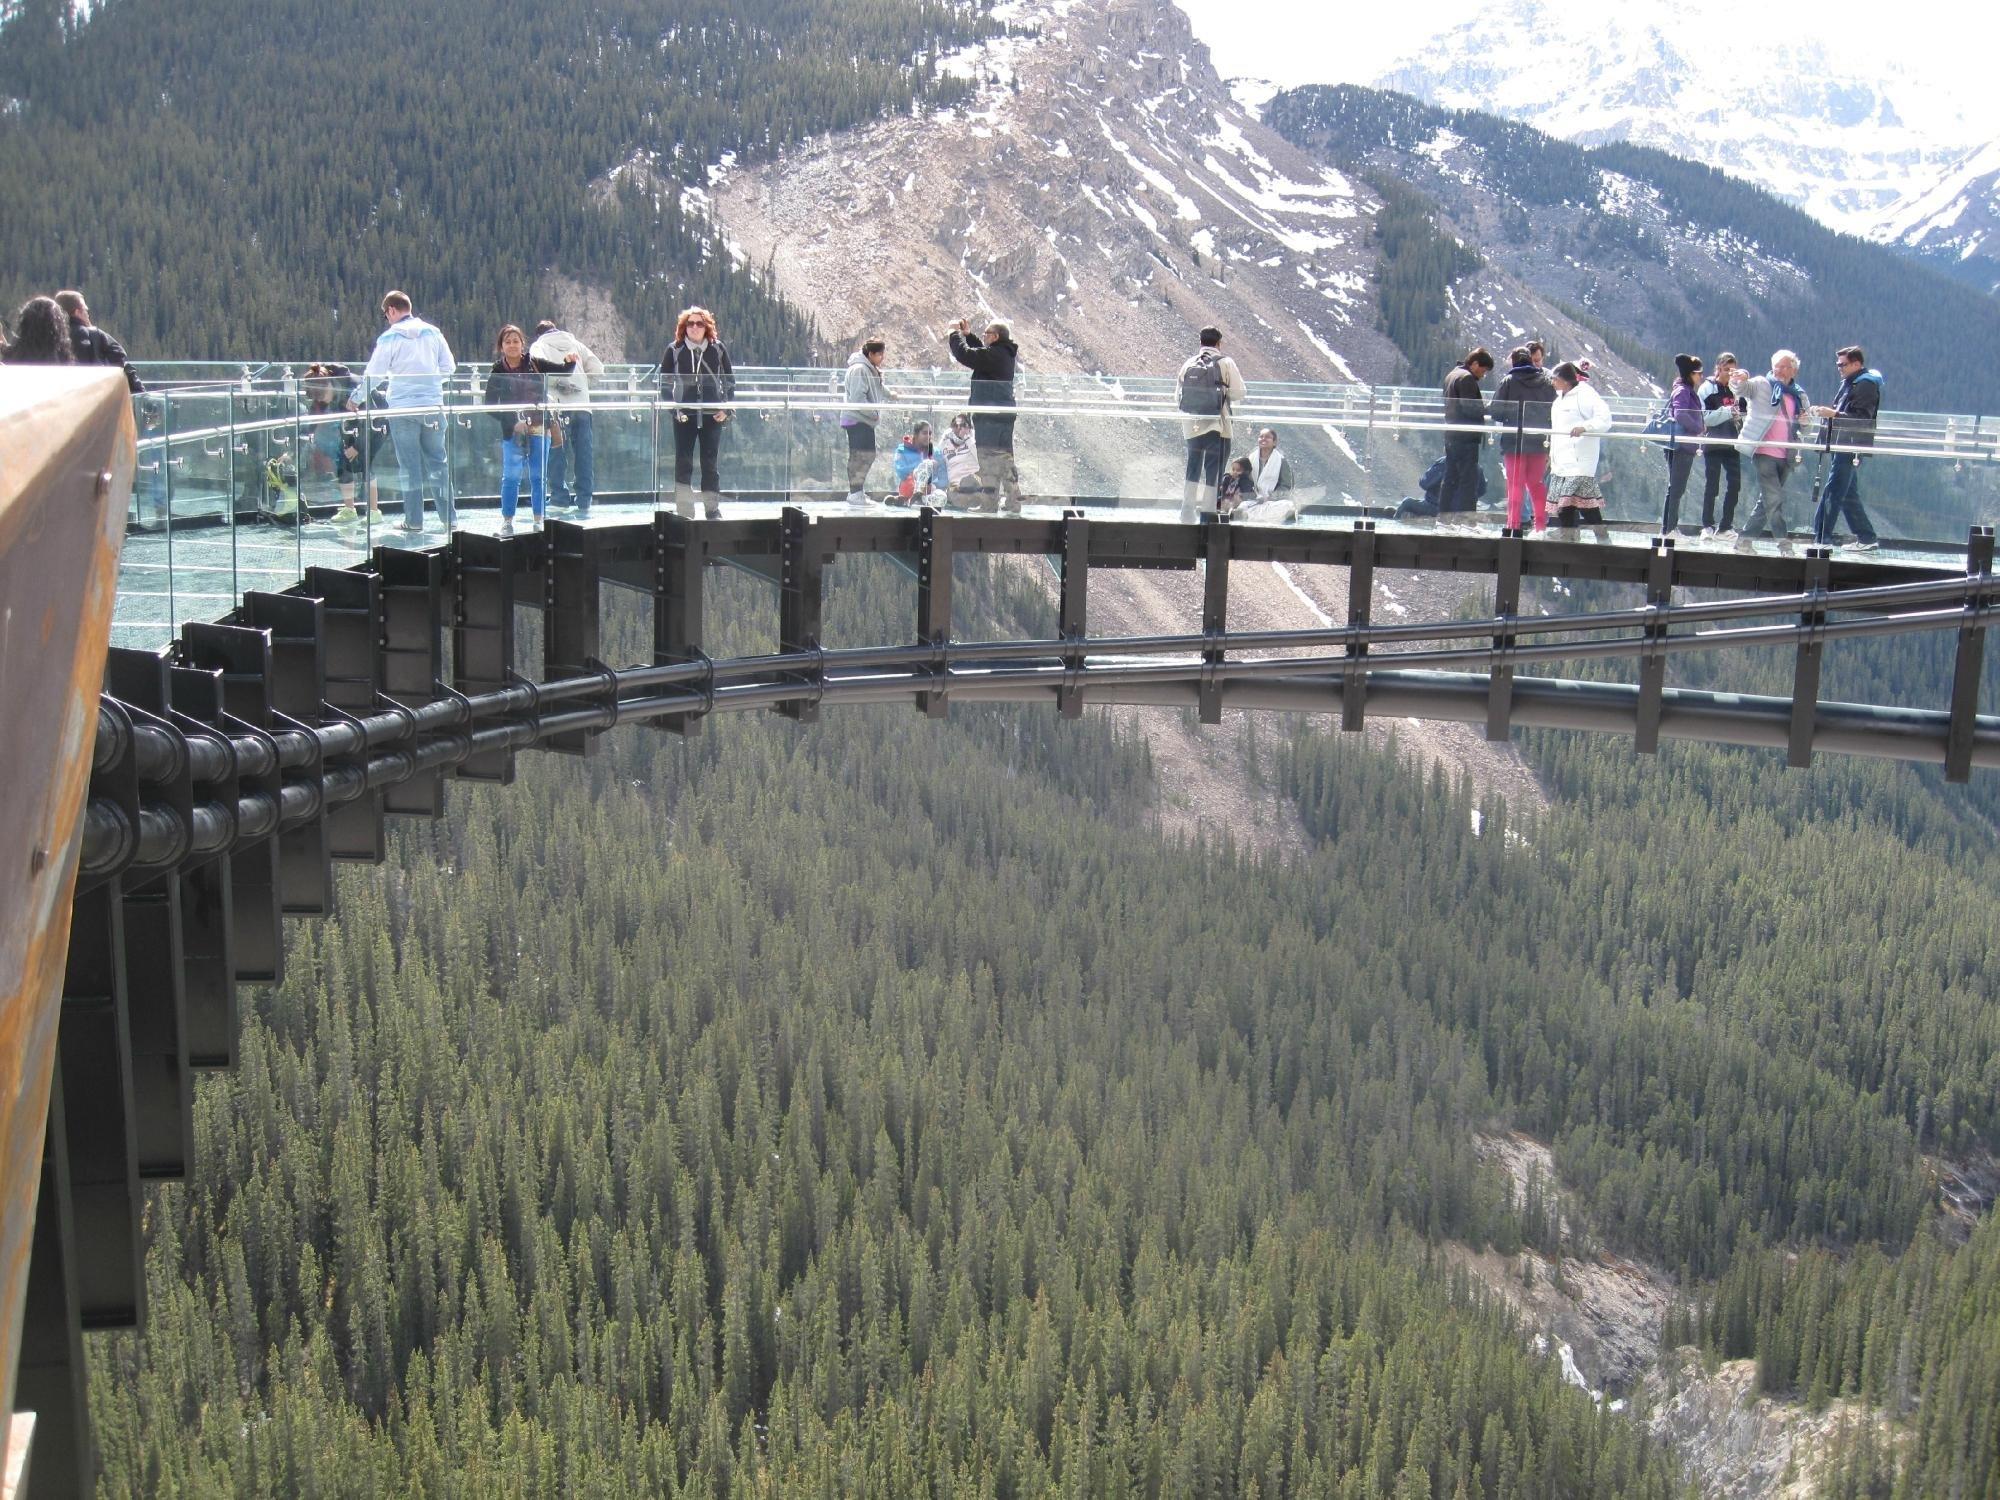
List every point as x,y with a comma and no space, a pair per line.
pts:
959,455
697,380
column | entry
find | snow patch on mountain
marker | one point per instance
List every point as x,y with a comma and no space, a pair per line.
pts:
1845,142
1958,218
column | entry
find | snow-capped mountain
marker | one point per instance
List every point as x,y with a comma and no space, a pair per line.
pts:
1848,141
1958,220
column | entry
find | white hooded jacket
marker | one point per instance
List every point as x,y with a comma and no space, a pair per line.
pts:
554,348
1579,406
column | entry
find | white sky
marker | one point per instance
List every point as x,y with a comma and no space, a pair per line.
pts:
1292,42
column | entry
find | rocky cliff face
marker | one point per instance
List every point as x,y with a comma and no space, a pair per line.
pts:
1105,195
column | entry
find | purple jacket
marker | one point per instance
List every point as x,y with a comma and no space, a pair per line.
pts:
1687,410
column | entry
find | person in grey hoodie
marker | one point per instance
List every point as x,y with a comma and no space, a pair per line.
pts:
570,366
409,363
863,394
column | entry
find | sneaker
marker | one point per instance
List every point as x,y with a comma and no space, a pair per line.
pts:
713,512
406,527
506,526
1708,533
1864,545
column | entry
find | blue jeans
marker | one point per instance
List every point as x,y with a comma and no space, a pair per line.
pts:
1841,496
518,453
576,447
419,444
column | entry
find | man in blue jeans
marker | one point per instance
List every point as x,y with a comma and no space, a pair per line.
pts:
1853,416
570,366
409,363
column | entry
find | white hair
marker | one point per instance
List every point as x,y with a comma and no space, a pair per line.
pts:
1781,356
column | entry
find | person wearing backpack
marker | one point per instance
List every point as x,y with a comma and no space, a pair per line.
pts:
1209,385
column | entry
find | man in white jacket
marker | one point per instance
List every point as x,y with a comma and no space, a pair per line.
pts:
570,367
407,368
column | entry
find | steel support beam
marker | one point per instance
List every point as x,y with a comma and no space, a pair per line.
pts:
1653,667
52,1380
1970,662
1215,531
1073,623
679,551
208,943
1360,609
801,593
570,620
1506,605
934,564
411,658
1805,671
94,1060
482,632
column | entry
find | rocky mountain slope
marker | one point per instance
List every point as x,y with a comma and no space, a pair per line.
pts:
1654,252
1956,223
1107,196
1843,136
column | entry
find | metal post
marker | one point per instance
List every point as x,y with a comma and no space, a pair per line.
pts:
569,616
411,657
800,594
1506,605
51,1378
934,560
1805,674
1073,623
482,632
1360,609
1653,667
1970,662
679,548
1214,612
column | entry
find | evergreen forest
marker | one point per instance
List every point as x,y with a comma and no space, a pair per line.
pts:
883,1107
875,1107
235,200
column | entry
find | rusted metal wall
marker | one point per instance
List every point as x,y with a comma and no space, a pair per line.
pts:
66,460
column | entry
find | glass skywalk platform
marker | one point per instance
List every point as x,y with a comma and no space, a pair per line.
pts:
240,487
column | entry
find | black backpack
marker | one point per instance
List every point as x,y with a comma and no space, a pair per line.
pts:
1202,392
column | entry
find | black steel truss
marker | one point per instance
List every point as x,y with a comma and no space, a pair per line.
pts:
232,771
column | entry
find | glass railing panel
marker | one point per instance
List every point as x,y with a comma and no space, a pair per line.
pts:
623,419
474,450
205,480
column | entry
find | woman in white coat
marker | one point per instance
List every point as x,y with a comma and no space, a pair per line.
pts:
1577,424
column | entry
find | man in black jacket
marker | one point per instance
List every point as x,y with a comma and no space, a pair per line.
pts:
1464,407
1853,415
993,358
92,344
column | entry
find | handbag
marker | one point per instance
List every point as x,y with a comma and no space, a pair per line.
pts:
556,432
1663,428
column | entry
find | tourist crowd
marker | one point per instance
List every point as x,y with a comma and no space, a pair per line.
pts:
1551,424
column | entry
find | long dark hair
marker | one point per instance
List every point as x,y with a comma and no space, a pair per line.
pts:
500,356
41,335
